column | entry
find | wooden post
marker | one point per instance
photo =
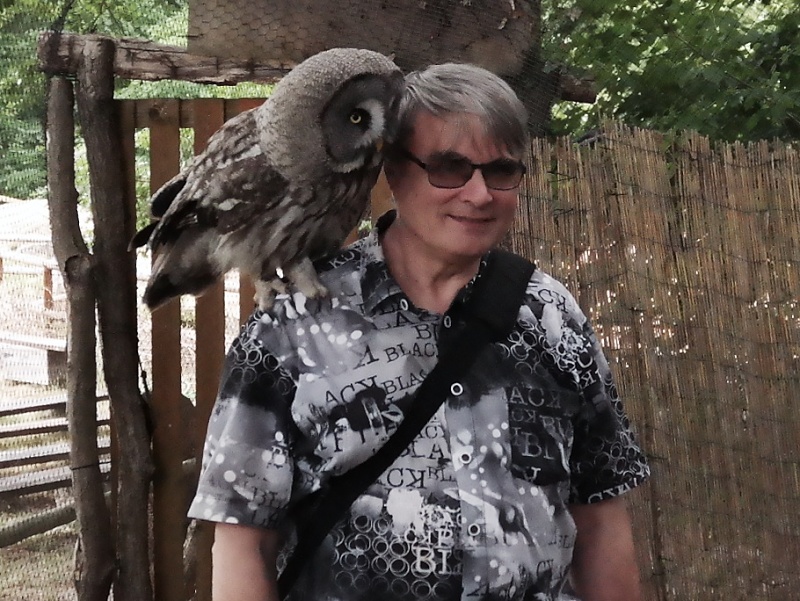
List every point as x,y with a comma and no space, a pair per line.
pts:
115,270
47,286
94,581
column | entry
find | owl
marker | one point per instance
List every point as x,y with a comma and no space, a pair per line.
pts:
278,186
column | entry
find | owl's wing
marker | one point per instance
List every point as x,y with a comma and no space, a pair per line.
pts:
159,204
224,188
225,199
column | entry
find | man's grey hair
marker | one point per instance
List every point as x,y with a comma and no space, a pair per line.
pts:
455,88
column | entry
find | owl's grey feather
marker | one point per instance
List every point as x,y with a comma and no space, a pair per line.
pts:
277,186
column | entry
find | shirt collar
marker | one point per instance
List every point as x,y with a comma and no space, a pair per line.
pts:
377,284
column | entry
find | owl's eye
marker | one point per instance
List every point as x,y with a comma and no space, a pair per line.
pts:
357,116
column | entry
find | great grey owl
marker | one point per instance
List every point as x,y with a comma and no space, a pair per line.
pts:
277,186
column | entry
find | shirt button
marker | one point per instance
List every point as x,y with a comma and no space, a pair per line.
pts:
404,304
456,389
446,321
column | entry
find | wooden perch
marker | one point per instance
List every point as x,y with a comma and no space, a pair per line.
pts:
60,54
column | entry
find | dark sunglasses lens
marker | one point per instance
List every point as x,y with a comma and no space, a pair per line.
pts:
503,174
449,173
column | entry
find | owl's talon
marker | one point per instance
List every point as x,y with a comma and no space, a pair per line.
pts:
304,278
266,291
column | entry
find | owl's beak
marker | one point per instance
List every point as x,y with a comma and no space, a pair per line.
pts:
379,144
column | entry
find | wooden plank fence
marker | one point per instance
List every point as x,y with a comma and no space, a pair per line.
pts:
164,120
44,463
30,466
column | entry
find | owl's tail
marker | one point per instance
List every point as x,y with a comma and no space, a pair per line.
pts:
180,269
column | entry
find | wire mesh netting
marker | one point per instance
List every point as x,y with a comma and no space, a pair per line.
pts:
681,247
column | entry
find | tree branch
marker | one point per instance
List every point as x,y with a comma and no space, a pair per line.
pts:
76,263
115,277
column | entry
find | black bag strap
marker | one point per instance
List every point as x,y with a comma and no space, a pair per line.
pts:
490,314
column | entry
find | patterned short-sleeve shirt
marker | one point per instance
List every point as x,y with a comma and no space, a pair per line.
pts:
476,508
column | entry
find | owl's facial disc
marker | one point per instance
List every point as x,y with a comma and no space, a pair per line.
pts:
373,122
354,124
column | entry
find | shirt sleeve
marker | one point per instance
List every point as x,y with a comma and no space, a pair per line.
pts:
247,471
606,460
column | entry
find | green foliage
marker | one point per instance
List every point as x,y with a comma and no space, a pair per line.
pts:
22,85
21,140
729,69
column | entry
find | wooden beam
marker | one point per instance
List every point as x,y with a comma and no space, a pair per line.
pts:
578,89
60,54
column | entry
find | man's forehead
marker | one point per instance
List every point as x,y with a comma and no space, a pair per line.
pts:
451,133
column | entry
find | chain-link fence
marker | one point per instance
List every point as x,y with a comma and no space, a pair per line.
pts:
727,68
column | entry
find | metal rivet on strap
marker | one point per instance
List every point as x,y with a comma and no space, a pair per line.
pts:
404,304
456,389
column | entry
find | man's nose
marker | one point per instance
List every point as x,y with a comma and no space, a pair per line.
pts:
476,190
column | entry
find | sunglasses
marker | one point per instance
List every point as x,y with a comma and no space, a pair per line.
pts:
453,171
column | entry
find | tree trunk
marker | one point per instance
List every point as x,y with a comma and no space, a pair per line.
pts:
115,277
75,261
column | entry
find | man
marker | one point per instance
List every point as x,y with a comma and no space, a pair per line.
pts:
512,491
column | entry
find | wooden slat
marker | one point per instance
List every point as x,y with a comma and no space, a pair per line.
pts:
238,105
246,289
40,481
42,426
168,436
56,402
44,453
127,124
37,342
210,352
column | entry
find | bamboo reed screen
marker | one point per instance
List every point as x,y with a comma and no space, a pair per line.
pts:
685,255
